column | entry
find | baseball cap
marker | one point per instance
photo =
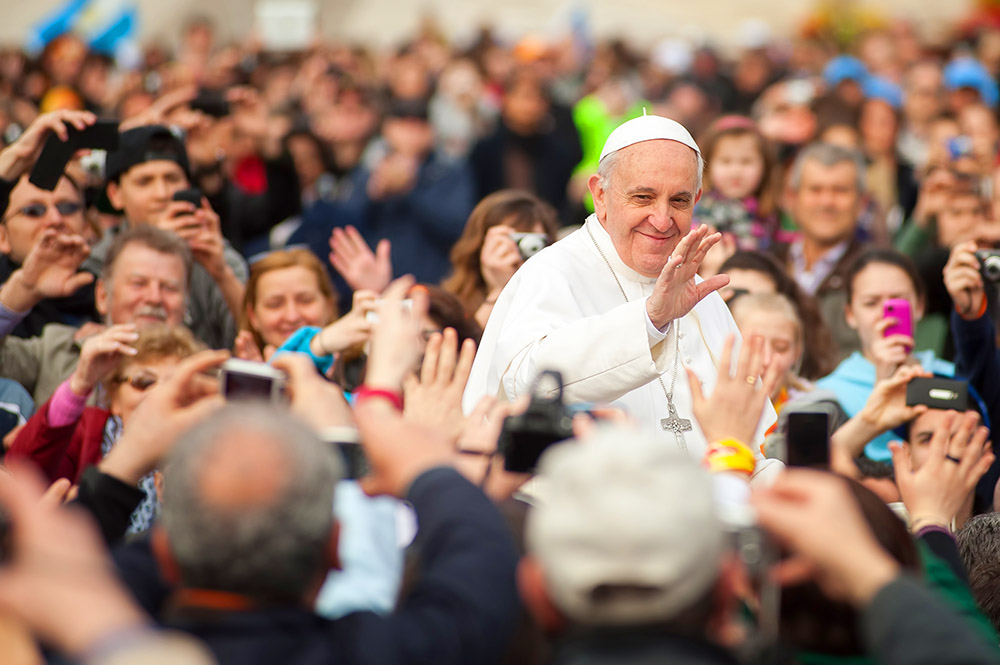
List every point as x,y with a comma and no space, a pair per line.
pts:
876,87
647,128
970,73
146,144
626,531
844,68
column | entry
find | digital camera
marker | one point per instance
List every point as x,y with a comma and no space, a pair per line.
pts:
989,264
529,244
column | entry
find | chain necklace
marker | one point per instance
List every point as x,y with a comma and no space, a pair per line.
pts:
673,422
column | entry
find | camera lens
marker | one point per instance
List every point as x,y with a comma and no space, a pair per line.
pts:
991,268
530,245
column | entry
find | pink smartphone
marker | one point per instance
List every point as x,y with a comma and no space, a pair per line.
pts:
899,309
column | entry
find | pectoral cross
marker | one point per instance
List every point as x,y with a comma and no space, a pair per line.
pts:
676,424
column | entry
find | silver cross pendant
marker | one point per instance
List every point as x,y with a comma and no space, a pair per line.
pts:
676,424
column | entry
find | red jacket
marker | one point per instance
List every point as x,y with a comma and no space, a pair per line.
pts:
61,452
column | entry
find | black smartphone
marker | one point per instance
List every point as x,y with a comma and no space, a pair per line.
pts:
807,439
192,195
51,163
211,102
938,393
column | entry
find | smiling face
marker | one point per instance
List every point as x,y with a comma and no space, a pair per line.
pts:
146,287
647,204
32,211
827,202
737,166
287,299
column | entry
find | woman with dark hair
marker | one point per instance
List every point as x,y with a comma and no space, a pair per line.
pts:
756,272
487,254
875,277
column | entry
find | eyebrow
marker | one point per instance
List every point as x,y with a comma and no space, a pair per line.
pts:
641,189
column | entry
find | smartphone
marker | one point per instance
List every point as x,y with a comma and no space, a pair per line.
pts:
246,379
211,102
371,316
192,195
899,309
935,393
807,439
51,163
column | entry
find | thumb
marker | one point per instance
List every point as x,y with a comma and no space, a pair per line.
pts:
711,284
78,281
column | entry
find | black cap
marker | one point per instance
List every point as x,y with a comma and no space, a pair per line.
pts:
407,108
146,144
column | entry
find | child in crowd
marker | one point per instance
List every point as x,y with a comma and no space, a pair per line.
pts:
738,197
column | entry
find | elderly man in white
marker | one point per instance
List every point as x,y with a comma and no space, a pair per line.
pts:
616,306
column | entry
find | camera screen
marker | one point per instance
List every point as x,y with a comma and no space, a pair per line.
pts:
247,386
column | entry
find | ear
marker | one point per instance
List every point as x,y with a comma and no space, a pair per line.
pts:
252,318
115,196
918,311
852,322
164,556
598,192
101,298
333,547
531,584
697,197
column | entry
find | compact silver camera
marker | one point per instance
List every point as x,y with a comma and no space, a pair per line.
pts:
529,244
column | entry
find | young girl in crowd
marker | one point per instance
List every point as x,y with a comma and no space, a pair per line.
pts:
738,198
875,277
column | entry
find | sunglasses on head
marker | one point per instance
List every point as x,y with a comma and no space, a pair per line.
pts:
39,210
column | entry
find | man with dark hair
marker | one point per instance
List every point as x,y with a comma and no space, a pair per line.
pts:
145,280
149,167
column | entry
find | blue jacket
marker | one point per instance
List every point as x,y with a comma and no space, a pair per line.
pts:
853,381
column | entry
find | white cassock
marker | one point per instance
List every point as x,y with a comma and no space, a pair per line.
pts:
563,310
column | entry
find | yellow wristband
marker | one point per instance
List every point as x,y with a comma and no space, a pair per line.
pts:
729,455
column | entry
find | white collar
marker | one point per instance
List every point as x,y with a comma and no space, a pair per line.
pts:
600,234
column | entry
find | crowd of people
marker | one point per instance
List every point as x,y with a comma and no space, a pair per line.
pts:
702,246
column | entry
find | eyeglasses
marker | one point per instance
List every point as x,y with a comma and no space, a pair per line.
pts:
141,381
39,210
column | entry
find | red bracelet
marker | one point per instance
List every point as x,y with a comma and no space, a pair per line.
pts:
394,396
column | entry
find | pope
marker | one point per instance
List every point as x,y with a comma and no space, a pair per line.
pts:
617,306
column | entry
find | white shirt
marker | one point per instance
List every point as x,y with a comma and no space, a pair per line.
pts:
563,310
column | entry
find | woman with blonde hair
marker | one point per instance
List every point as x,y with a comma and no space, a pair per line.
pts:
492,248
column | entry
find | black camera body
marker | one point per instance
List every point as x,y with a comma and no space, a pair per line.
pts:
524,438
989,265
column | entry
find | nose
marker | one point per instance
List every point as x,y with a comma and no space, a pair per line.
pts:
661,217
154,293
291,313
768,354
54,219
160,189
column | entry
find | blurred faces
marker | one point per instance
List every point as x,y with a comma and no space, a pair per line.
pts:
782,345
307,159
648,203
878,127
874,285
827,202
32,210
942,131
525,106
145,287
408,136
288,299
978,123
737,167
751,281
129,388
144,191
960,218
923,93
922,430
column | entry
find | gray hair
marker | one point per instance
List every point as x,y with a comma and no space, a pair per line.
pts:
828,155
272,550
979,545
607,166
156,239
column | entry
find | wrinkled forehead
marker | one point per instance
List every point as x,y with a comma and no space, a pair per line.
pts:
140,260
657,156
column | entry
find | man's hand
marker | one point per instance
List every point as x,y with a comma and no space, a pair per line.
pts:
934,493
169,409
735,406
59,579
397,343
435,398
314,399
201,230
17,158
816,517
892,352
100,354
964,281
363,270
49,271
477,457
158,113
676,293
348,331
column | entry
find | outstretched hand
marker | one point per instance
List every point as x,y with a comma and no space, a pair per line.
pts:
20,156
434,398
676,291
362,269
